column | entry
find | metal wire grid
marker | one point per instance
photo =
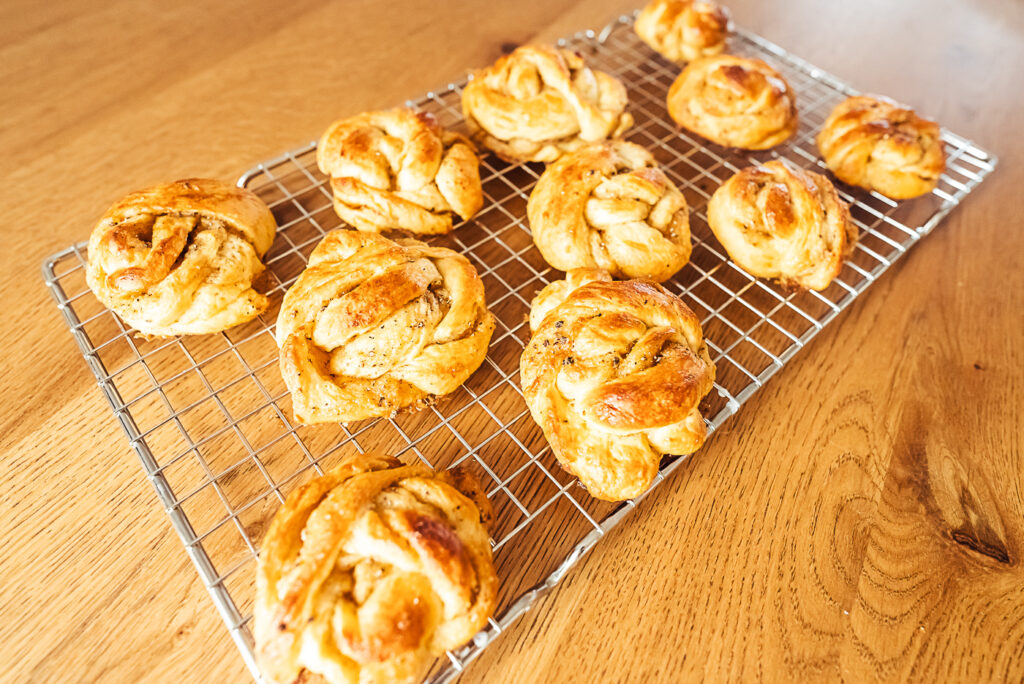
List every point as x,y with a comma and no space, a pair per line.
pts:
209,416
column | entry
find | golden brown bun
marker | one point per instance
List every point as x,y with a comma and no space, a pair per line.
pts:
609,206
683,30
373,325
779,221
613,375
180,258
369,572
734,102
539,102
875,143
400,170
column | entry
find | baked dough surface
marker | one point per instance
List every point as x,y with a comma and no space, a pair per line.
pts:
400,170
180,258
540,102
683,30
609,206
374,325
369,572
734,101
779,221
878,144
613,374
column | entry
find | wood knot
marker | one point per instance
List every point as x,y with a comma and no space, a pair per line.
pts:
973,541
967,507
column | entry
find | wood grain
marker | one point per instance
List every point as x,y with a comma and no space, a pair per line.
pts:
861,518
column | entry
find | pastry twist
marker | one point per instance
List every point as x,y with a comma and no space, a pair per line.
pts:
779,221
369,572
372,326
613,375
608,205
734,102
400,170
180,258
683,30
878,144
539,102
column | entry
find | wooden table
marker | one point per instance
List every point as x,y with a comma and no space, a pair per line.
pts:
861,516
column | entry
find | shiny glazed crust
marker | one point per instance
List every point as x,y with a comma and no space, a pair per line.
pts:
683,30
609,206
540,102
180,258
779,221
877,144
734,102
374,325
613,375
369,572
400,169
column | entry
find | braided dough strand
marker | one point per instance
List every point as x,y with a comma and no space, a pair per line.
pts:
735,102
609,206
613,375
539,102
180,258
684,30
877,144
370,571
779,221
374,325
400,169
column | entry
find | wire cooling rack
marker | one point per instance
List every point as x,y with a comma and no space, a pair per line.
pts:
210,417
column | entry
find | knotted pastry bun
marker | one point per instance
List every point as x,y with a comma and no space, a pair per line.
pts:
877,144
779,221
400,169
539,102
613,375
608,205
683,30
373,325
734,102
369,572
180,258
